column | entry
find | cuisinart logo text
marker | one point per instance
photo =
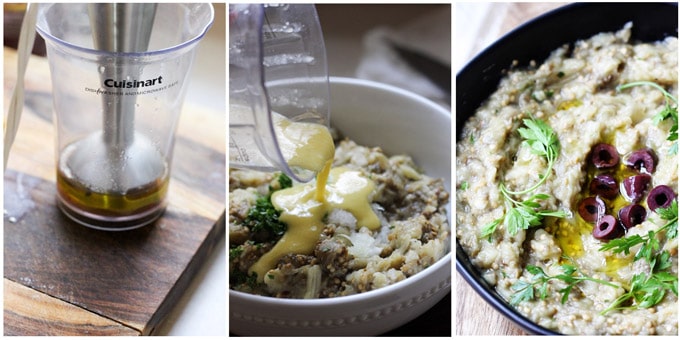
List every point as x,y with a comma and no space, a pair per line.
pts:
127,84
127,87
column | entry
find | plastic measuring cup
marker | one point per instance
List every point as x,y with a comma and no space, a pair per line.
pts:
277,64
119,76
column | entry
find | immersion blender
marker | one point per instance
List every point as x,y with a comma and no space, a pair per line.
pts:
116,173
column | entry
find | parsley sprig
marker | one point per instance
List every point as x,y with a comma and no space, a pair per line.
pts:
670,111
528,291
645,291
648,289
649,242
523,214
542,141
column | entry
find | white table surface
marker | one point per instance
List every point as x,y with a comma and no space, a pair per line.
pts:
202,309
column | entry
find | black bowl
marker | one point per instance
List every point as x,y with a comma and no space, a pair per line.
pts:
535,40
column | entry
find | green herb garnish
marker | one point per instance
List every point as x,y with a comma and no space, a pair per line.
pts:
522,215
650,243
542,141
670,111
670,214
285,181
240,278
235,252
645,291
264,217
528,291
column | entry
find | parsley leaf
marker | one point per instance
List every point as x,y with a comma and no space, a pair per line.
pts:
285,181
540,138
670,214
650,243
235,252
490,228
645,291
264,217
542,141
539,284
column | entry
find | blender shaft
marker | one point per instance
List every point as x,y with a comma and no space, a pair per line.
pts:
120,28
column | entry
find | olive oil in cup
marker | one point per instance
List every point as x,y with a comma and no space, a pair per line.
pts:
105,188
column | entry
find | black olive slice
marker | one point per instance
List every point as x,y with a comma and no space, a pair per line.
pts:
643,160
591,208
604,156
634,187
660,197
607,228
632,215
605,186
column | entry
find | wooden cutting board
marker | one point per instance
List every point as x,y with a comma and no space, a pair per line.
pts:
64,279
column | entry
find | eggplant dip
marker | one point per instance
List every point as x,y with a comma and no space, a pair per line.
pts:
396,226
566,185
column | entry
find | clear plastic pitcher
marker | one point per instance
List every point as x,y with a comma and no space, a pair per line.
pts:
119,76
277,65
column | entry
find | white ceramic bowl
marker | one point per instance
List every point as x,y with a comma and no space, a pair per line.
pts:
400,122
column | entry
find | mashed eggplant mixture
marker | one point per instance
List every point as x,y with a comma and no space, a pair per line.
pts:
567,181
347,258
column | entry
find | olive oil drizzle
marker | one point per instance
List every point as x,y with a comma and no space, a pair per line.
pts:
570,233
